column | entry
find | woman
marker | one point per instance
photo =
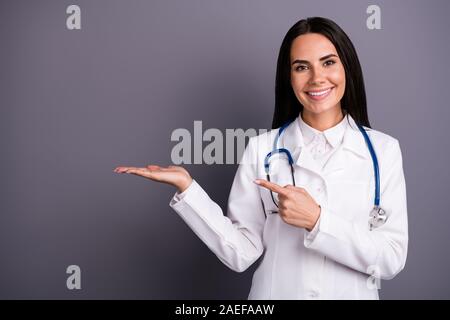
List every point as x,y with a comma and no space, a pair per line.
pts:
310,227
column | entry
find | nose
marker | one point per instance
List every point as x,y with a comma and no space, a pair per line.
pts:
317,78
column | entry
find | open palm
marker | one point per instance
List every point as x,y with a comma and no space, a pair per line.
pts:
173,175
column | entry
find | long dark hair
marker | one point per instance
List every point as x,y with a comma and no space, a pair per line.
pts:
287,106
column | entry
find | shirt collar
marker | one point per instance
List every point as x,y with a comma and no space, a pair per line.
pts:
333,135
292,137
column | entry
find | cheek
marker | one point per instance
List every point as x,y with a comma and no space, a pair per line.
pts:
338,78
297,83
339,75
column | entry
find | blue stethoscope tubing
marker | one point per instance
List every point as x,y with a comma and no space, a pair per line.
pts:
375,166
377,215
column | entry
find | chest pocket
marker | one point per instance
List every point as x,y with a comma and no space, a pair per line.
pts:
350,199
268,205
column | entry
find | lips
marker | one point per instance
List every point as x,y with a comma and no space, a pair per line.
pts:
319,94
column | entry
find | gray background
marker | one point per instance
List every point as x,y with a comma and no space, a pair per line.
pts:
76,104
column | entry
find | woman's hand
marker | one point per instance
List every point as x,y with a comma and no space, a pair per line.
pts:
173,175
296,205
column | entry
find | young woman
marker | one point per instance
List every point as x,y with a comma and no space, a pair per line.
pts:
335,221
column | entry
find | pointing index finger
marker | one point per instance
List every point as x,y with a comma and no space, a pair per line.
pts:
271,186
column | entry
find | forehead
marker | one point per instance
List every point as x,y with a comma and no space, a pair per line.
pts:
311,46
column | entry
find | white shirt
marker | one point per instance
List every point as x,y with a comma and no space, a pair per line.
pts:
321,144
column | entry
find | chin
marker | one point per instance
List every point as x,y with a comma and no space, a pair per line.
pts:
318,109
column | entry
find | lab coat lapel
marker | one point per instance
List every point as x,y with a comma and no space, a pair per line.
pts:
353,143
306,161
292,139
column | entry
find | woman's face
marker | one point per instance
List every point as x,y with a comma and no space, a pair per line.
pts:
317,73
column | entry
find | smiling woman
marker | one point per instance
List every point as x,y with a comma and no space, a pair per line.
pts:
318,238
316,56
318,80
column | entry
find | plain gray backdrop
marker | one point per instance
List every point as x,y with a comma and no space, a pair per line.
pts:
77,103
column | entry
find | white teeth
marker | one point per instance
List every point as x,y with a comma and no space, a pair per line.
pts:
320,93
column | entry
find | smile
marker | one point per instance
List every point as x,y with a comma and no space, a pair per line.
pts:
319,95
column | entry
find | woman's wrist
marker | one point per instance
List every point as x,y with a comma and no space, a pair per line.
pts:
315,218
184,184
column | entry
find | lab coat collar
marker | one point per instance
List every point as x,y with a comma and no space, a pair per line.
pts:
353,141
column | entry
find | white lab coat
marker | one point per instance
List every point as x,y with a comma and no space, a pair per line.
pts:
337,258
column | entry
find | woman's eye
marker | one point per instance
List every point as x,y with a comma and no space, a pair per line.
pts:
326,63
300,68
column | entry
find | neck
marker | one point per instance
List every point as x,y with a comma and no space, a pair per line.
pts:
324,120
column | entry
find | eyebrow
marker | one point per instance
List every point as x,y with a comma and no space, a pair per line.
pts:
323,58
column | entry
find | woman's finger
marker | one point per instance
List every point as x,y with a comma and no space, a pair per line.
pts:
157,175
121,169
271,186
138,171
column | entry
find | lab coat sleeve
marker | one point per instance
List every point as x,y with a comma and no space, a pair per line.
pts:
381,252
236,239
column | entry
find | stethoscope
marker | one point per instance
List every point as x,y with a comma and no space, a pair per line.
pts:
377,216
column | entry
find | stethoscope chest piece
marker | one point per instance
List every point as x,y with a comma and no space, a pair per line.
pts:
377,217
